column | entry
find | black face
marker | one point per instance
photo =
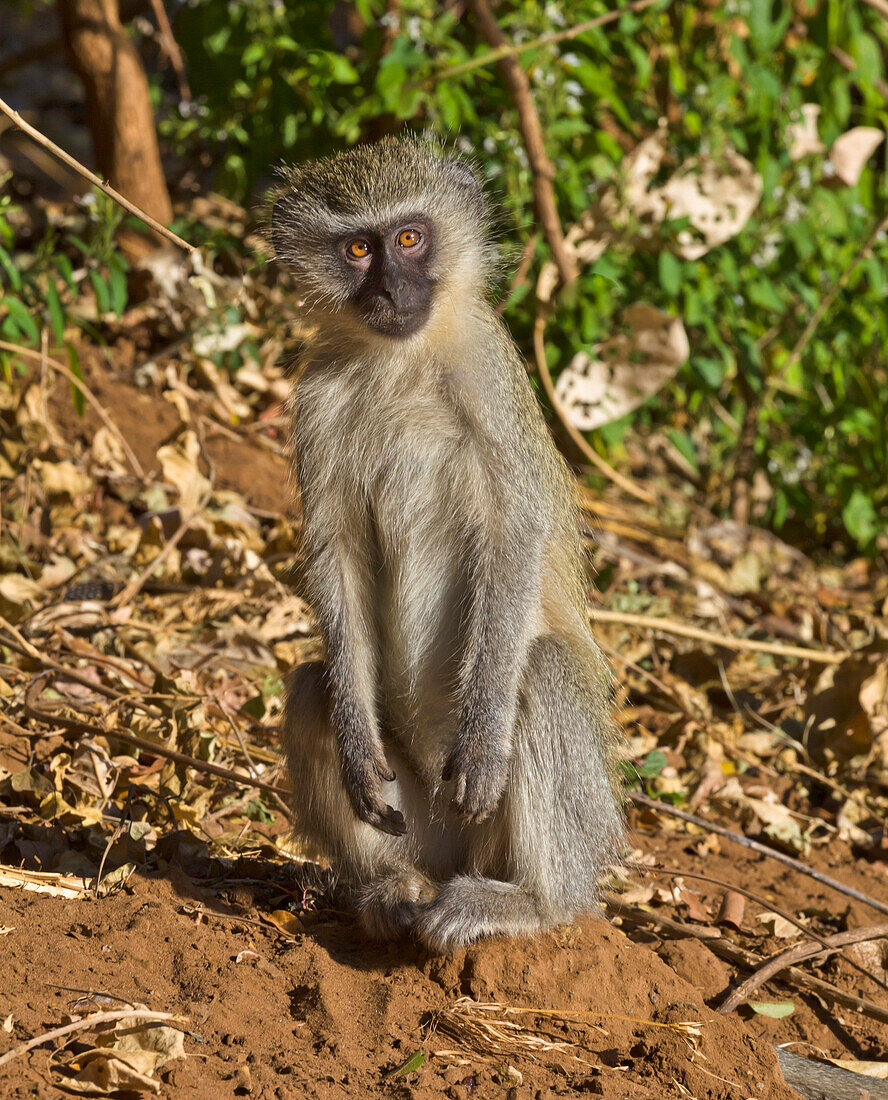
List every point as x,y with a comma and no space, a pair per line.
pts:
389,270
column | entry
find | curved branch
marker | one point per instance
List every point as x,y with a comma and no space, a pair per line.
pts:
604,467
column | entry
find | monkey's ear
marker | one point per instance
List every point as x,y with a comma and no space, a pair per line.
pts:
465,175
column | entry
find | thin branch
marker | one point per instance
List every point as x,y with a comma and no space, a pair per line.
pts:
542,169
507,49
95,180
756,846
171,49
796,954
805,929
66,372
685,630
749,960
88,1022
132,589
604,467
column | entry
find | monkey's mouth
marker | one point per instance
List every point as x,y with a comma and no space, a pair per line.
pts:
383,317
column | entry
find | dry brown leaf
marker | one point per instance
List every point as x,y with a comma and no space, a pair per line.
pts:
878,1070
285,922
851,151
802,136
778,926
625,371
179,462
104,1072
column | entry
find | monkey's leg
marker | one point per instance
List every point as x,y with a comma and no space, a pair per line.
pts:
378,870
537,861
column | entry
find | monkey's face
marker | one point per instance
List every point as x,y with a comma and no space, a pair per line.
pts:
390,277
378,237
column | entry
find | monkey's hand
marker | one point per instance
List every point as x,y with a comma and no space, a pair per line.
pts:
479,775
363,769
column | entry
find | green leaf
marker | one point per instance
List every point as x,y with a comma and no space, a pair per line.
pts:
605,268
22,318
776,1010
652,765
341,69
860,518
65,270
685,446
56,313
77,397
670,273
254,707
256,810
103,294
119,293
410,1065
11,270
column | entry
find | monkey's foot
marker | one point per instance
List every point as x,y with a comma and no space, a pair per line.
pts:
469,907
388,907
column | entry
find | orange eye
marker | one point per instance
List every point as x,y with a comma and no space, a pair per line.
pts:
409,238
358,250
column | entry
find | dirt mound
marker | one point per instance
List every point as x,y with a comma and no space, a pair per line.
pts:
325,1014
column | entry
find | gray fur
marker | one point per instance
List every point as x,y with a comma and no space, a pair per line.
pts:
459,731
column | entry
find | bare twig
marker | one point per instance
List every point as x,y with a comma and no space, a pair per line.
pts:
824,941
88,394
171,49
507,49
86,1023
740,956
796,954
132,589
685,630
26,649
542,169
604,467
756,846
95,180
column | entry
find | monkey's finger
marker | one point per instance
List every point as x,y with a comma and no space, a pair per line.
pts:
384,772
390,821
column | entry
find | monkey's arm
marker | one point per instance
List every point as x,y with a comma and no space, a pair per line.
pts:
504,578
339,591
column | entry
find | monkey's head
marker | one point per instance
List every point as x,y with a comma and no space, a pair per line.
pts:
380,235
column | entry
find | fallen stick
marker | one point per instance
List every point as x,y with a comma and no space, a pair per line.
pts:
88,1022
157,750
726,641
805,929
796,954
757,846
749,960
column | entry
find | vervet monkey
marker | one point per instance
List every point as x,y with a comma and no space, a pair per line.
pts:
454,753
